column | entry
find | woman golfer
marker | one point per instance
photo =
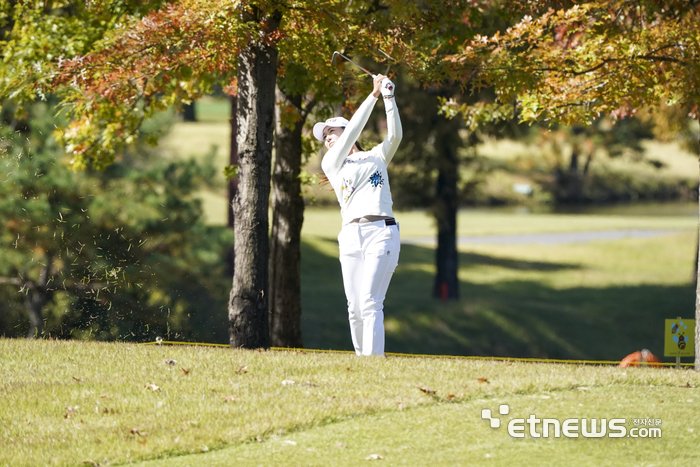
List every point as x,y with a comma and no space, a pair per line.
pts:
369,240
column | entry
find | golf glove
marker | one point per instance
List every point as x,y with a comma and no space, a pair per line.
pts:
387,88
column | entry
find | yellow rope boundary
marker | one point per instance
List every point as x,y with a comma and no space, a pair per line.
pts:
461,357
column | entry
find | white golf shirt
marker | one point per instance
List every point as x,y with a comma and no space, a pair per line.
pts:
360,180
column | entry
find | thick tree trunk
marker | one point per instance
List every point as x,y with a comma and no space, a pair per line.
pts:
446,285
248,306
285,243
233,183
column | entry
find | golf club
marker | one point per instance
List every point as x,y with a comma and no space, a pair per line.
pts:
335,55
388,66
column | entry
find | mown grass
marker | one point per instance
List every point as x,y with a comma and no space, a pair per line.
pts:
69,403
597,300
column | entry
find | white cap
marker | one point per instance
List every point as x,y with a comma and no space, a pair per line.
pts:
333,122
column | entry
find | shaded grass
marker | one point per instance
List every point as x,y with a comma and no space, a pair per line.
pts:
65,403
598,300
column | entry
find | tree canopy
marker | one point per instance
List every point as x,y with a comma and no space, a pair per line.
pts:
572,62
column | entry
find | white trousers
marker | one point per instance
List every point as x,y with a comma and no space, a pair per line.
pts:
369,254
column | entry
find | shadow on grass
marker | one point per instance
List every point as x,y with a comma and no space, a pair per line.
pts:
515,318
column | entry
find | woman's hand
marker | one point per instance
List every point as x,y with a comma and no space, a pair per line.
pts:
378,85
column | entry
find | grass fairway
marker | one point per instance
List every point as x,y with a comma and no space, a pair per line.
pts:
599,300
70,403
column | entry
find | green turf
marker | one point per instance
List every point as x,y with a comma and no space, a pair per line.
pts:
87,403
598,300
451,434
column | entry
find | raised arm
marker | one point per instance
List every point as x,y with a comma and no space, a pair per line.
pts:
335,157
394,130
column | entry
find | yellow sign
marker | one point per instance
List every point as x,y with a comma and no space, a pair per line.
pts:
679,338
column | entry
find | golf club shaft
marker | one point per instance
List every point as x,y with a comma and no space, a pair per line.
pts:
361,68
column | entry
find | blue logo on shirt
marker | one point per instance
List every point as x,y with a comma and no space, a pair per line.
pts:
376,179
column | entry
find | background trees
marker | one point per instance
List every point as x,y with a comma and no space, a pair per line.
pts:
182,49
570,63
115,254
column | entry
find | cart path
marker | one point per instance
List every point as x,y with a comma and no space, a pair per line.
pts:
555,238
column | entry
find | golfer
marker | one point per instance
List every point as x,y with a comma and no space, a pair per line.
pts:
369,239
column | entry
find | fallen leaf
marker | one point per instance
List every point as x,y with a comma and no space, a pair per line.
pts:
152,387
70,411
170,362
288,382
105,396
229,398
483,380
242,369
77,380
374,457
349,369
143,441
185,371
450,397
426,390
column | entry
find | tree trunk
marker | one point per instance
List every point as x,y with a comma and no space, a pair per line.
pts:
257,72
233,183
35,300
37,297
189,113
287,219
446,284
697,301
569,182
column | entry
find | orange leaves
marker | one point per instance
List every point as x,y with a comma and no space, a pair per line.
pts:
570,65
232,88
